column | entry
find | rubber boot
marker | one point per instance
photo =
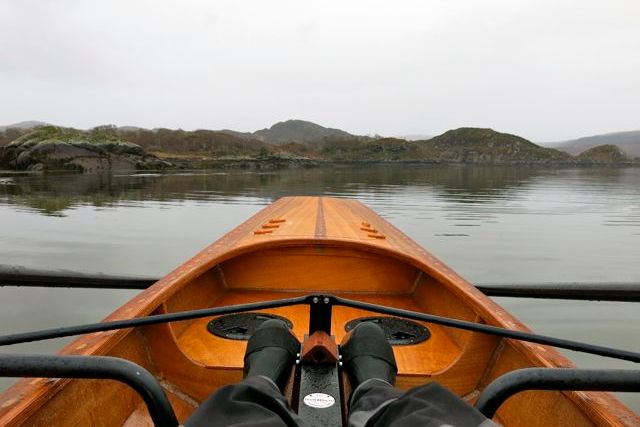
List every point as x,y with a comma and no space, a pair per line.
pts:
271,351
367,354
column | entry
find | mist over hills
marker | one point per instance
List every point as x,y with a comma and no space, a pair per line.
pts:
629,142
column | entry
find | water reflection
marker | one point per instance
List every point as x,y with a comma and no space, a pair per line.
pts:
463,196
53,194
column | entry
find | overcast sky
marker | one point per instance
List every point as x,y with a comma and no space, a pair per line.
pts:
546,70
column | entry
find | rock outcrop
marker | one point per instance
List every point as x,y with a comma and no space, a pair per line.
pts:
51,148
604,155
479,145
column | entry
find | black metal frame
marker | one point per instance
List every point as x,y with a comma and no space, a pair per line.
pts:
18,276
321,306
95,367
603,291
68,331
554,379
621,292
320,319
320,310
494,330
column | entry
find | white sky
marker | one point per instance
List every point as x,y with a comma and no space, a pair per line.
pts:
546,70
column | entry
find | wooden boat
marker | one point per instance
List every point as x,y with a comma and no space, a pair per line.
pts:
299,246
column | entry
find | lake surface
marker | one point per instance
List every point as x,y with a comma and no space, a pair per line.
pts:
491,224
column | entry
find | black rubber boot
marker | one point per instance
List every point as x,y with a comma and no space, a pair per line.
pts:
271,351
367,354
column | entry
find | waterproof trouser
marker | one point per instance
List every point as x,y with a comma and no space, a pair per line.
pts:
257,401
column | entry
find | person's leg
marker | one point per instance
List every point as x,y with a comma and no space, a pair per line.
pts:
369,361
429,405
257,400
370,398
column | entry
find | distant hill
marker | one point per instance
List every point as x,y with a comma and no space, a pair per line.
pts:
298,131
479,145
629,142
604,154
202,143
464,145
30,124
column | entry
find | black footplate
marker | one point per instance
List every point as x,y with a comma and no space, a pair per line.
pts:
241,326
397,331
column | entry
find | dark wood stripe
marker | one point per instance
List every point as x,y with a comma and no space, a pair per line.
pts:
321,228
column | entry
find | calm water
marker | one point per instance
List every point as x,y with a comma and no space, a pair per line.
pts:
493,225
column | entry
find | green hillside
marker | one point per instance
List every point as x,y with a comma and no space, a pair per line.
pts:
298,131
45,146
51,148
480,145
604,154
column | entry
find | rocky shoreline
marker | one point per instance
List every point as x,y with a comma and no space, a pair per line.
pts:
266,164
73,159
58,149
51,148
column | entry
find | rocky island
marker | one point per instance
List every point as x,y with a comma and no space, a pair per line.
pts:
604,154
294,143
51,148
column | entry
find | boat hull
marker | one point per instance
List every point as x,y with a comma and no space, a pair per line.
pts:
299,246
